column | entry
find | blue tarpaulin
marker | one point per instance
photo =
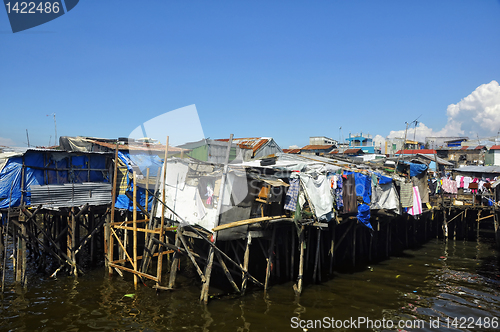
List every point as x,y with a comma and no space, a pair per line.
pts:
72,168
363,186
383,179
416,169
364,215
142,161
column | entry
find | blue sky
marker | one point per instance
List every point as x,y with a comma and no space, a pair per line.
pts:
286,69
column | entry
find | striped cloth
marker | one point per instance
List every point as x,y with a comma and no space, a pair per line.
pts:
416,209
291,195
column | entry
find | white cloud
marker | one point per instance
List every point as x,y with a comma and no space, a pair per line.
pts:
6,142
478,114
419,133
379,141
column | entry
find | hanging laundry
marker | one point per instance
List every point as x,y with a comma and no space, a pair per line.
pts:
385,196
416,209
406,194
421,182
349,194
291,195
319,193
450,186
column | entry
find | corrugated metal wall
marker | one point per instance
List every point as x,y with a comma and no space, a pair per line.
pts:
71,194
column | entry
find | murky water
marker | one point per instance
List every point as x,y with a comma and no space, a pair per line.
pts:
435,282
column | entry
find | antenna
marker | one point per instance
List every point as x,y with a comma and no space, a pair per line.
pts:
55,128
28,137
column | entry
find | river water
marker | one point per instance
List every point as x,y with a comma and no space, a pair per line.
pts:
423,289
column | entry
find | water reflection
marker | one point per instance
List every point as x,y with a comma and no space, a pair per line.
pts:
439,280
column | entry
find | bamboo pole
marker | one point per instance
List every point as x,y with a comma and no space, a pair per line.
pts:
226,272
298,287
175,261
193,260
108,247
249,221
246,259
208,268
162,220
134,218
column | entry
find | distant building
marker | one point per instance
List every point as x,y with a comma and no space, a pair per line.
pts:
261,146
492,157
215,151
436,142
363,142
322,140
317,150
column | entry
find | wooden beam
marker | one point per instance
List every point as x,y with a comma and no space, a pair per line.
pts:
248,222
144,275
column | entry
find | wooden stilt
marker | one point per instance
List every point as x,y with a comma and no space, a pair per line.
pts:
298,286
292,255
193,260
332,248
270,253
162,219
226,272
246,260
478,221
208,268
23,254
175,262
354,231
134,218
316,259
108,247
388,239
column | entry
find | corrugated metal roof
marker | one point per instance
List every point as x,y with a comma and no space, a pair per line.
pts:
478,169
433,158
71,194
293,151
353,151
495,147
318,147
422,151
141,147
254,143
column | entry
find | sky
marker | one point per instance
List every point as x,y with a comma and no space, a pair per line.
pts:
282,69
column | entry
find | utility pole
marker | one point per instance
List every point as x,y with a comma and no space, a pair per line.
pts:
55,129
28,137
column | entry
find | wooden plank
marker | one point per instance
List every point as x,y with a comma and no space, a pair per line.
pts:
144,275
247,222
145,230
121,223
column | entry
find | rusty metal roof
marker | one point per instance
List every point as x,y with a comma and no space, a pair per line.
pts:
318,147
293,151
353,151
254,143
137,147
